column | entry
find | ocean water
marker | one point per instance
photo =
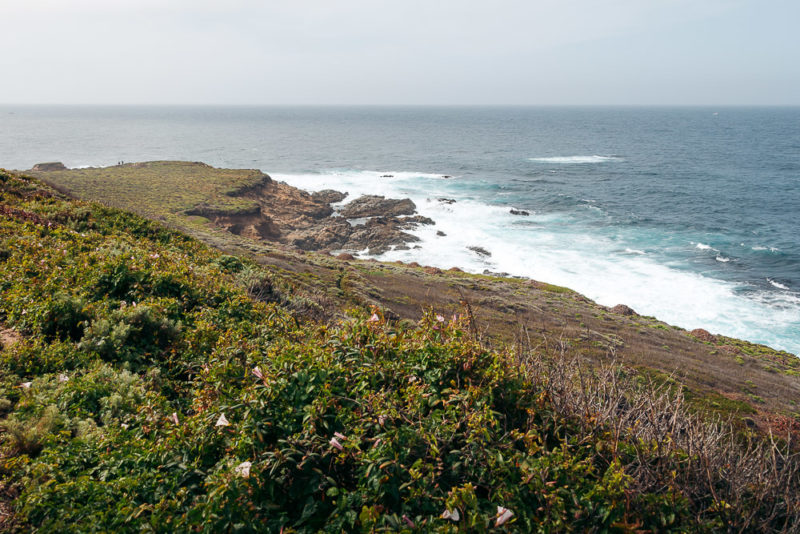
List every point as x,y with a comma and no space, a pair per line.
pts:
686,214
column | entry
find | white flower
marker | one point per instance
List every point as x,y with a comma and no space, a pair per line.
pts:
336,444
243,469
26,385
257,372
63,378
374,318
175,418
440,318
124,425
503,515
452,515
222,421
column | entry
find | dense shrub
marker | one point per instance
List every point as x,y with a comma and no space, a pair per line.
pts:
158,387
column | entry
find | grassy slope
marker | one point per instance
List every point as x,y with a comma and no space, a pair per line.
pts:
730,376
130,341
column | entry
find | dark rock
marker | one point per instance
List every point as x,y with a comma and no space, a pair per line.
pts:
440,233
622,309
704,335
414,264
330,233
446,176
374,206
387,175
519,212
328,196
480,251
446,200
49,166
413,221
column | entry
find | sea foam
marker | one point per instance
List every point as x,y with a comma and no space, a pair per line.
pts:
575,159
557,248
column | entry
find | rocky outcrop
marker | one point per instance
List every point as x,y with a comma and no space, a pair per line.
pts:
480,251
622,309
519,212
378,206
328,196
49,166
704,335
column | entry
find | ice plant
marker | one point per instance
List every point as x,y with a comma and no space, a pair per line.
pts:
503,515
222,421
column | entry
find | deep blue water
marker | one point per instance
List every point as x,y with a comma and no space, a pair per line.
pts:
687,214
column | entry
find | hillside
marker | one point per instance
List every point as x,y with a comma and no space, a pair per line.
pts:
748,381
150,382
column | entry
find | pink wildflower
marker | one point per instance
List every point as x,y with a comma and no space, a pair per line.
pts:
336,444
256,371
440,318
339,435
175,418
374,318
452,515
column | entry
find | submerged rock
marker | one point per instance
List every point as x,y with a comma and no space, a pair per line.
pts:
480,251
519,212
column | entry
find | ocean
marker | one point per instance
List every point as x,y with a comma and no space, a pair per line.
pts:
686,214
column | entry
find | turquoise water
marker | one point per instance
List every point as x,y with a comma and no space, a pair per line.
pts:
687,214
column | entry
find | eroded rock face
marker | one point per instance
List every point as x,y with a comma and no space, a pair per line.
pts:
49,166
704,335
378,206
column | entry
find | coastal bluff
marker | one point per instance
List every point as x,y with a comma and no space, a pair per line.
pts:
244,202
247,213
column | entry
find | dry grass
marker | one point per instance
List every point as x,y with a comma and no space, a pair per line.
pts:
752,481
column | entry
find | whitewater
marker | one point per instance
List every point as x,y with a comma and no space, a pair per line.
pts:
685,214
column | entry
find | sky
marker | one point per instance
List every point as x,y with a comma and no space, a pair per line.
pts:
409,52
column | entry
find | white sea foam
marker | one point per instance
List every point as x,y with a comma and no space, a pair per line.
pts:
722,258
551,247
773,283
576,159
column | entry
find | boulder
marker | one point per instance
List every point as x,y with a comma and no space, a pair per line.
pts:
519,212
345,256
440,233
446,200
377,206
328,196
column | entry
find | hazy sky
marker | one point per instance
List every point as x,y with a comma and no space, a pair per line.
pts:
538,52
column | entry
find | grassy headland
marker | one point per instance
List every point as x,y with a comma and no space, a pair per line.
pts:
732,377
151,382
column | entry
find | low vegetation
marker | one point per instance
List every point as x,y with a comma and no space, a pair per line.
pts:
153,383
